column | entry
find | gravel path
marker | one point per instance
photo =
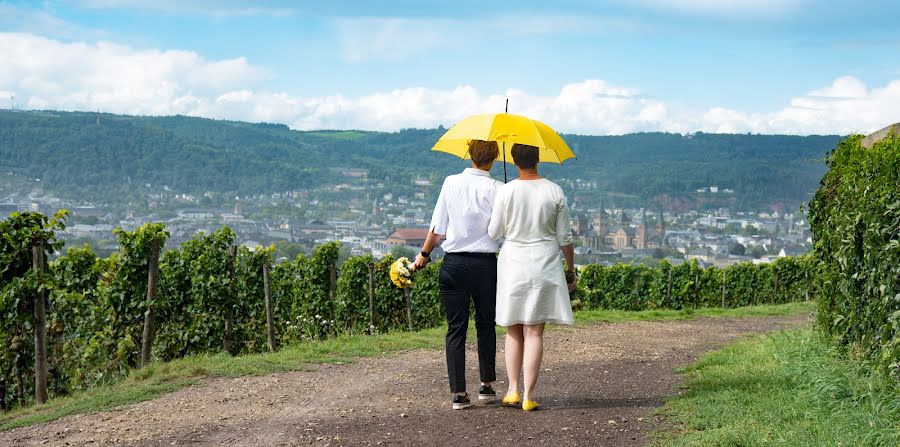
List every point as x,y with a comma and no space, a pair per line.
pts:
599,386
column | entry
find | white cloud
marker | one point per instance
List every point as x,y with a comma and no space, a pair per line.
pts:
44,73
845,106
48,73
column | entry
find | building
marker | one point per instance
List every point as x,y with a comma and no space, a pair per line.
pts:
702,254
195,214
316,227
621,238
607,232
792,251
407,236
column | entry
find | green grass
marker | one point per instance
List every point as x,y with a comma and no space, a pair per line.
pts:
618,316
784,389
160,378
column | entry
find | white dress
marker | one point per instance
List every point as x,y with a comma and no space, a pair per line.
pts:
532,216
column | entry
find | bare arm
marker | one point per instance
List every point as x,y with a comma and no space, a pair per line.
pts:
431,241
569,253
564,237
497,224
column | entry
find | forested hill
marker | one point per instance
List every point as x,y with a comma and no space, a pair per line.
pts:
115,160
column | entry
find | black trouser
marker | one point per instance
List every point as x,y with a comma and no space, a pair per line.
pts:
465,275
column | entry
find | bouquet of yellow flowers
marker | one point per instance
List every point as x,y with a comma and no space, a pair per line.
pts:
401,273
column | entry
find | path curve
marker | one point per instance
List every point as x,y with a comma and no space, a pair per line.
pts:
599,386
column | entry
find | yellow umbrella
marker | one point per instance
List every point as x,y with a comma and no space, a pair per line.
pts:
506,129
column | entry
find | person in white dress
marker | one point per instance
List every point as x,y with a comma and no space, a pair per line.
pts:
531,215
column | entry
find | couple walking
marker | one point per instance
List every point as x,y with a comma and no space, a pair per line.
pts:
522,289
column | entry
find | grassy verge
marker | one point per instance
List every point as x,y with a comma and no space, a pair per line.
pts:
619,316
160,378
783,389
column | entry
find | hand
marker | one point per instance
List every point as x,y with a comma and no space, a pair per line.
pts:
420,262
572,279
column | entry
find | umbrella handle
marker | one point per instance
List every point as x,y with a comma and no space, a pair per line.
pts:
506,110
504,160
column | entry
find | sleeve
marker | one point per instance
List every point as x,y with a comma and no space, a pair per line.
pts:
440,219
563,224
497,225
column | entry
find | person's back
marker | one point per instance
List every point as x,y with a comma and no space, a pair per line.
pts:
533,212
469,271
466,200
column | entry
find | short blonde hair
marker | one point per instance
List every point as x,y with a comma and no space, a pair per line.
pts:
483,152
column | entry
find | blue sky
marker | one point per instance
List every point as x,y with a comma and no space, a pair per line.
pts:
768,66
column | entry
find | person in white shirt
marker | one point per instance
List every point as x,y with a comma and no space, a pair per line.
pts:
469,269
531,215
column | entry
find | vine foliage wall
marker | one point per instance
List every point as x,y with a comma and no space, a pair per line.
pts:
211,298
855,217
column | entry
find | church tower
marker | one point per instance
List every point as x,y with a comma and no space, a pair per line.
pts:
661,226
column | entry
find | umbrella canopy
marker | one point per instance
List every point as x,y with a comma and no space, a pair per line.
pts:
506,129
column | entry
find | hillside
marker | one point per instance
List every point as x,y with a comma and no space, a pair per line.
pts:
115,160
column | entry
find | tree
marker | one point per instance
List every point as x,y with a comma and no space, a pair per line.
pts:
289,250
737,249
757,251
400,251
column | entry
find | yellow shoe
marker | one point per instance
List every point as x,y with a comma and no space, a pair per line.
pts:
530,405
511,399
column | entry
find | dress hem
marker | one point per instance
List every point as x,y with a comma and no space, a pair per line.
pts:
530,322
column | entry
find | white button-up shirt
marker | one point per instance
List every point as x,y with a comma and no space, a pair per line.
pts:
463,212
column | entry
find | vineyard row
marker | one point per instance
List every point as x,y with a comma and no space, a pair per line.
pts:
82,320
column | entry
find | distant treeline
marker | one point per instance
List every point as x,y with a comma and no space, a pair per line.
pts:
75,157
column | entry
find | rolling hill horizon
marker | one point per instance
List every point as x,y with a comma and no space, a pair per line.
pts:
112,158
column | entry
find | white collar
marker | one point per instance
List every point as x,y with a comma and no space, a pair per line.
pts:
475,171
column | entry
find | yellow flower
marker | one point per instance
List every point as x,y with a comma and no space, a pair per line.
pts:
400,273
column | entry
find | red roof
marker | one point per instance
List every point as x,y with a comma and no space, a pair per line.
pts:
410,233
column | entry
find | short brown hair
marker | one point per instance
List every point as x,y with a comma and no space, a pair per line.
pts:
525,156
483,152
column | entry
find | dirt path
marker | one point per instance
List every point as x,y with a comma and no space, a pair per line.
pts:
598,387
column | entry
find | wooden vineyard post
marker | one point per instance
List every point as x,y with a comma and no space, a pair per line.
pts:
669,290
332,289
20,388
152,280
408,308
696,289
229,306
371,297
724,279
267,289
637,291
806,274
775,292
40,327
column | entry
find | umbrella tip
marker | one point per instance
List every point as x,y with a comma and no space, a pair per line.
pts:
506,110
